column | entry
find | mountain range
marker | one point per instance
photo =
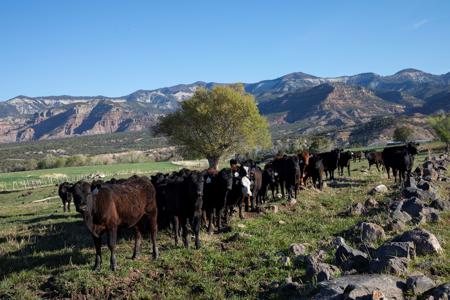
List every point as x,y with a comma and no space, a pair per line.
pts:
299,100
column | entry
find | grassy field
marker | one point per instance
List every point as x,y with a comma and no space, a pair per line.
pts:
49,176
45,253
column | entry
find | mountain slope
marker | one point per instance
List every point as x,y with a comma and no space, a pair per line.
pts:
313,103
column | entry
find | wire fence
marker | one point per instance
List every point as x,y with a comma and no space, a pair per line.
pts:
28,184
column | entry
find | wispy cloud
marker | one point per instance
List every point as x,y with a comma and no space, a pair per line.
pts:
420,23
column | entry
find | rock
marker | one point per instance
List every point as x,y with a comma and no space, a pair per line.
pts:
430,173
417,285
394,265
380,189
413,206
371,232
396,249
357,209
440,292
291,290
425,185
418,172
281,222
292,202
273,208
317,271
424,241
297,249
372,286
410,182
443,205
399,215
418,193
241,225
371,203
338,241
349,258
396,226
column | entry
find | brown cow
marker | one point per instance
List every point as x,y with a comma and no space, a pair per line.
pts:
113,205
375,158
303,159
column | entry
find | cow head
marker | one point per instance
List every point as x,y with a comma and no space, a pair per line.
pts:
412,148
82,194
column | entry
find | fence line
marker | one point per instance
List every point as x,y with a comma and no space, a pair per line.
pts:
29,184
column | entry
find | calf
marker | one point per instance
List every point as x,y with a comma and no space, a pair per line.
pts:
114,205
344,162
375,158
303,164
65,195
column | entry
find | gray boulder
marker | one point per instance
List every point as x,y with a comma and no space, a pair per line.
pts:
297,249
372,286
317,271
440,292
394,265
371,232
349,258
440,204
417,285
424,241
396,249
413,206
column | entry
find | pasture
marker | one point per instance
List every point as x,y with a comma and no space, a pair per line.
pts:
45,253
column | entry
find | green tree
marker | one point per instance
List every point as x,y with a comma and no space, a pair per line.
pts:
441,125
403,134
319,144
217,122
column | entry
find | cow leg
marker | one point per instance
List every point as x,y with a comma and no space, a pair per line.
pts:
68,206
112,239
378,169
185,232
154,232
137,243
348,169
98,252
196,227
210,214
64,206
176,230
241,216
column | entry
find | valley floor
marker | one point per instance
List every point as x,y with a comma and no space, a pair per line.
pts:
45,253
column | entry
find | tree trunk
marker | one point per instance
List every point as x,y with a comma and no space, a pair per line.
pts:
213,162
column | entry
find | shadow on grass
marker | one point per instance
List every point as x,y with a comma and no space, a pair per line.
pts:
53,245
344,182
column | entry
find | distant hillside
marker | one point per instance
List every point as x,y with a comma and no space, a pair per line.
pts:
309,102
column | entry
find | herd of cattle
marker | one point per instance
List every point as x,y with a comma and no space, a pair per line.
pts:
188,198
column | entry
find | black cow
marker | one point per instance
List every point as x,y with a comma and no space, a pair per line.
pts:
235,195
65,195
184,196
401,159
292,175
330,162
315,170
268,181
215,191
344,162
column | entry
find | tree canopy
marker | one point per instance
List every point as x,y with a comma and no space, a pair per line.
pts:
403,134
441,125
217,122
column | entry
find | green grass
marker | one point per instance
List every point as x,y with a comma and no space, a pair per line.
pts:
71,173
45,253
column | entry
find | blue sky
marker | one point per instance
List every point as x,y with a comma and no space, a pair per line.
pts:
113,48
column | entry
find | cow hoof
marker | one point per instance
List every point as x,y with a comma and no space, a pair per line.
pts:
96,268
113,267
155,254
135,257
